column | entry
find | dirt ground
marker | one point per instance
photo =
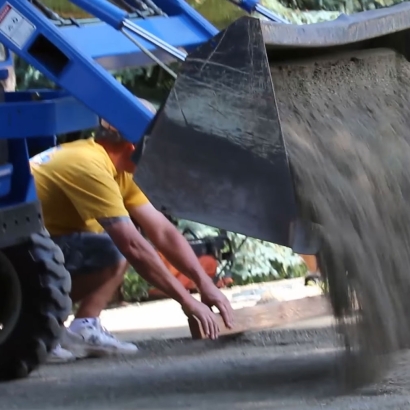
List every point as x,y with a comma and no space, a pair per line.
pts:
286,369
164,319
295,367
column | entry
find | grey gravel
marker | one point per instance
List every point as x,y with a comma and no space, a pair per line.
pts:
289,369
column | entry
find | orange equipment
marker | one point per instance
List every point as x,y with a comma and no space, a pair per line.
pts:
211,252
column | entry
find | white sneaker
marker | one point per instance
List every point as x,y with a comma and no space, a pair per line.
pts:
60,355
93,340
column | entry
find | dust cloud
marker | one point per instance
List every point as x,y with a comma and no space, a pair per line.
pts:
346,125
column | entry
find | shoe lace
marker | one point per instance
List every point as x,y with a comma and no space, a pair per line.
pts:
57,349
104,331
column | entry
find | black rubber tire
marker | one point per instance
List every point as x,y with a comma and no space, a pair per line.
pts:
45,287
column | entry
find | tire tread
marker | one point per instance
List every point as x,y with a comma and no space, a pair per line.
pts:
46,285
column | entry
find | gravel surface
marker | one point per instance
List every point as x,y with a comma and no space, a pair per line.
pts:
288,369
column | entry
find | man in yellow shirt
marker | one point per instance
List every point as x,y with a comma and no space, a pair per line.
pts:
92,208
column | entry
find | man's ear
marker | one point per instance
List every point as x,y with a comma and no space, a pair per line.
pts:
130,148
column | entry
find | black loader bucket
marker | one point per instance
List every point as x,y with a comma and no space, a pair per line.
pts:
217,153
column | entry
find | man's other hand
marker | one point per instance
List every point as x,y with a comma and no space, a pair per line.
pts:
212,296
205,315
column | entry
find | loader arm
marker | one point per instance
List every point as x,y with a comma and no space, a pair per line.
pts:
180,26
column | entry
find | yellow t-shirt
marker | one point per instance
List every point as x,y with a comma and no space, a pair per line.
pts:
77,184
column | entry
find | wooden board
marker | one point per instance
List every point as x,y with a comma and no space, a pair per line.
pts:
268,315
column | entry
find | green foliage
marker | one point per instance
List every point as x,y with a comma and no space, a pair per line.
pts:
134,288
65,8
220,13
151,83
28,77
255,260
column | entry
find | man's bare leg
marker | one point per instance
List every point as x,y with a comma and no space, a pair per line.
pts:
95,290
311,262
97,270
312,267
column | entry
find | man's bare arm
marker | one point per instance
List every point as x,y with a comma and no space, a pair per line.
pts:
145,260
171,243
174,246
142,256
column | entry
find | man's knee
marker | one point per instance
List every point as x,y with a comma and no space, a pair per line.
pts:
117,270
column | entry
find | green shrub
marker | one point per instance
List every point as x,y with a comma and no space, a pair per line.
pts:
255,260
135,288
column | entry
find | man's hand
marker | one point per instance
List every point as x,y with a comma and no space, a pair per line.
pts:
212,296
204,315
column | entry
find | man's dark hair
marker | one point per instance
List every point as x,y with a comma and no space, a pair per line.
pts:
106,133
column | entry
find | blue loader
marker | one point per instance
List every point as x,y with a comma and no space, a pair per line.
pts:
220,122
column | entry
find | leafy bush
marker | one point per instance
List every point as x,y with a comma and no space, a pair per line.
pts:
28,77
134,288
255,260
259,261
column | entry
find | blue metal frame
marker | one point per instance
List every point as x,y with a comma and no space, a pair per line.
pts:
39,115
67,55
47,50
114,51
181,27
51,53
